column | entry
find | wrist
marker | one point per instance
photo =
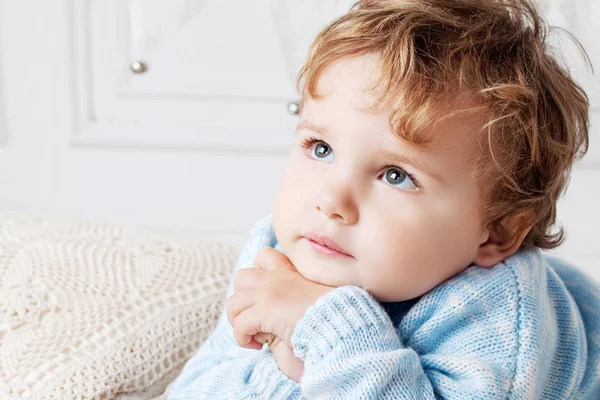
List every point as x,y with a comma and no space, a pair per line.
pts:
340,313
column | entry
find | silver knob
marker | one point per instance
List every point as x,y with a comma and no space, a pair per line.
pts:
294,107
139,67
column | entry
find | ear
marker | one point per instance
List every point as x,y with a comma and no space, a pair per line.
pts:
498,246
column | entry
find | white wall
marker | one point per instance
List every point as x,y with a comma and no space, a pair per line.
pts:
77,141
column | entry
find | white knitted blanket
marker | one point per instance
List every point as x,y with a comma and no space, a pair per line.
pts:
95,311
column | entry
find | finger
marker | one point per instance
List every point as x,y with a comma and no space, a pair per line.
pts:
248,278
251,345
237,303
263,337
244,328
246,341
270,259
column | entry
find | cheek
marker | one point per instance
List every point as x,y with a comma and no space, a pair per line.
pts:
290,200
289,195
417,250
282,214
444,233
297,186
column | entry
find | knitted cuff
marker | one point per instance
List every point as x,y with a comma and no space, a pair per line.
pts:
340,313
270,382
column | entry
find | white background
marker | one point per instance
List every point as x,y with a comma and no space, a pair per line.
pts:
197,142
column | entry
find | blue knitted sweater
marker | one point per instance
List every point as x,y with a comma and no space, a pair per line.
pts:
528,328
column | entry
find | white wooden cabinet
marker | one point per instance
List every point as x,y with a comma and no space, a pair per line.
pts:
215,78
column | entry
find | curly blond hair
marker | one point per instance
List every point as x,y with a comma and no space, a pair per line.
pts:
495,52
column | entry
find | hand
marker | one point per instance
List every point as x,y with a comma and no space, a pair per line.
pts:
270,298
288,363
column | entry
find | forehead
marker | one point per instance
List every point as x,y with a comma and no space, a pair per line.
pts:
351,86
352,80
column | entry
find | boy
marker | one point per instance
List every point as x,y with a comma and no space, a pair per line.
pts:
403,257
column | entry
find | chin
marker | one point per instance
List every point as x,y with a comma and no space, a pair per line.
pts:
314,273
308,271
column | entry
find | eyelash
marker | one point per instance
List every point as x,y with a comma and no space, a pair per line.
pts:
309,142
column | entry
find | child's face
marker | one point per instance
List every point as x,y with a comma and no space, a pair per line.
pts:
403,236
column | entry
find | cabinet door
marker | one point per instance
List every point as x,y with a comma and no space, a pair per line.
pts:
192,73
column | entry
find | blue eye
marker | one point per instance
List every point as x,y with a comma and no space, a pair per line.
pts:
397,178
322,151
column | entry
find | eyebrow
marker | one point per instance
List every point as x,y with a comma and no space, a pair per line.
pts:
393,157
304,124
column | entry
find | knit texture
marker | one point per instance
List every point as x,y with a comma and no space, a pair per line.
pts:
528,328
95,311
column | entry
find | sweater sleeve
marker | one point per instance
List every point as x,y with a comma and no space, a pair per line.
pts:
351,350
222,369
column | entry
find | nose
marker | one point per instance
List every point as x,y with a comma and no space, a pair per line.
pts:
337,202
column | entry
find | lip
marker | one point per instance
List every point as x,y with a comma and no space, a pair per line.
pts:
326,245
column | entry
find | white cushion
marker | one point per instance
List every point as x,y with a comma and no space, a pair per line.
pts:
92,310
